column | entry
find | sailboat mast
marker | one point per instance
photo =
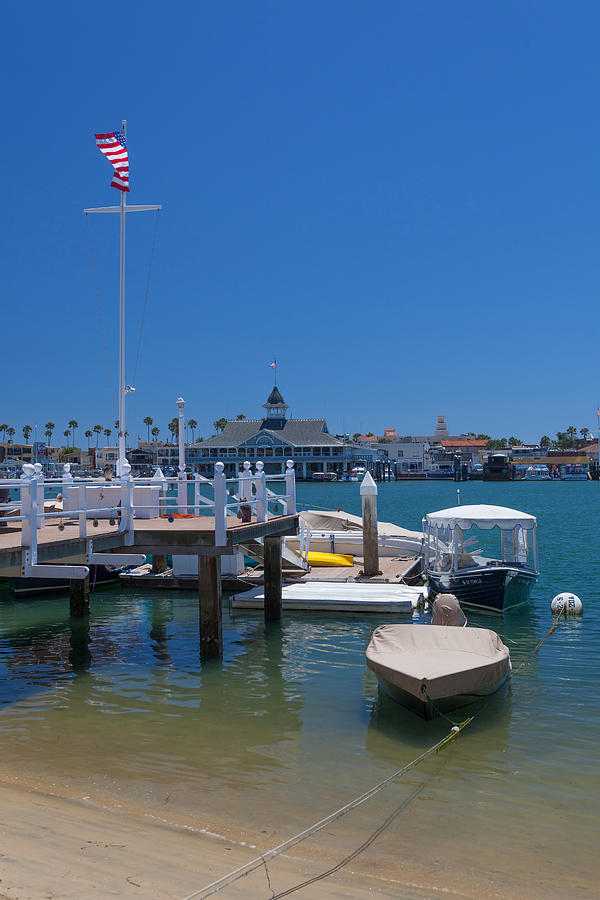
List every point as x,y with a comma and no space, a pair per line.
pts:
122,448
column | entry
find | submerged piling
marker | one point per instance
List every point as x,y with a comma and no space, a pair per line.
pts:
79,597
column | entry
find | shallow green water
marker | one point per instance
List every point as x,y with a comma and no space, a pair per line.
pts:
289,726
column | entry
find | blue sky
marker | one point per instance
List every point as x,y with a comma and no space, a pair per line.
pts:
397,201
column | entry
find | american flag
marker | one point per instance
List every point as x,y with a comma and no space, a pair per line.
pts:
114,147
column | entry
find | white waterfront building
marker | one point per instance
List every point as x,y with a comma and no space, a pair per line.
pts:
276,438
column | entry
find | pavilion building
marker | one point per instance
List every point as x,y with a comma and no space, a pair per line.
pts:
274,439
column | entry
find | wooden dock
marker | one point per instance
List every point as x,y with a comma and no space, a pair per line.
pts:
60,542
394,570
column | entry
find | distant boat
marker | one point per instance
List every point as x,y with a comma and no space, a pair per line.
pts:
497,467
433,669
538,472
574,472
324,476
476,580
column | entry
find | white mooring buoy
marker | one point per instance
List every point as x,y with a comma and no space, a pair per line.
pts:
567,603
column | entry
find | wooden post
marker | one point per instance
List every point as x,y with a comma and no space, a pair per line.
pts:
368,494
159,564
272,569
209,601
79,597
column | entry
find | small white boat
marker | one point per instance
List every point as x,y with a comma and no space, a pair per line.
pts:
433,668
341,532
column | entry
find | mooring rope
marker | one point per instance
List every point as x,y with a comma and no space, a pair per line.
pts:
262,860
538,645
259,861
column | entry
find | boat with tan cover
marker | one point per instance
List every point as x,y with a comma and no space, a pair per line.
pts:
436,668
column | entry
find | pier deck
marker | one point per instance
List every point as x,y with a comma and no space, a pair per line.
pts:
194,536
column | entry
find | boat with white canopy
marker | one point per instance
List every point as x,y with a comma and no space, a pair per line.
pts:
497,576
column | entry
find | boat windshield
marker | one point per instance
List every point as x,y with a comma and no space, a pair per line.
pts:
452,548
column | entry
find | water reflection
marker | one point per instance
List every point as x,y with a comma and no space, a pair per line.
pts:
80,657
162,614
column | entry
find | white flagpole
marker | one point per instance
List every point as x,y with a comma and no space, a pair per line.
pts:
122,448
123,388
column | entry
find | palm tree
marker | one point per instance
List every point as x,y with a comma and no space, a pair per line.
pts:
148,422
97,432
26,432
173,427
73,424
240,416
155,432
220,424
192,425
67,434
571,431
545,441
50,426
10,432
3,428
88,435
107,432
584,432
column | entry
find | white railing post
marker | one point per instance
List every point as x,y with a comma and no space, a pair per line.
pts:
290,488
82,510
159,478
260,483
245,493
67,481
29,523
220,492
39,477
127,512
197,494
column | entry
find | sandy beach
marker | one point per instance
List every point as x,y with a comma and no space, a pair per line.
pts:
53,847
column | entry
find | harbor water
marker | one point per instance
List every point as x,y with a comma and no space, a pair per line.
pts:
117,711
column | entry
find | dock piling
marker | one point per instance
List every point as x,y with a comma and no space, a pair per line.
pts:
209,602
272,570
79,597
159,563
368,494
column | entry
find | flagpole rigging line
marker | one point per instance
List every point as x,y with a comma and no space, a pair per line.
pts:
103,332
139,346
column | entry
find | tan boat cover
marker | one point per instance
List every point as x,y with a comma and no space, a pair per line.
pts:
445,610
448,661
343,521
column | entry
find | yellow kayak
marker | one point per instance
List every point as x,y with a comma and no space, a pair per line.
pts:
317,559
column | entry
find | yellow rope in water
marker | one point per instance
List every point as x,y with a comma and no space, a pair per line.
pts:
226,880
537,646
262,860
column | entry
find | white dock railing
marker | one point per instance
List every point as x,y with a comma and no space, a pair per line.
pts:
126,498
